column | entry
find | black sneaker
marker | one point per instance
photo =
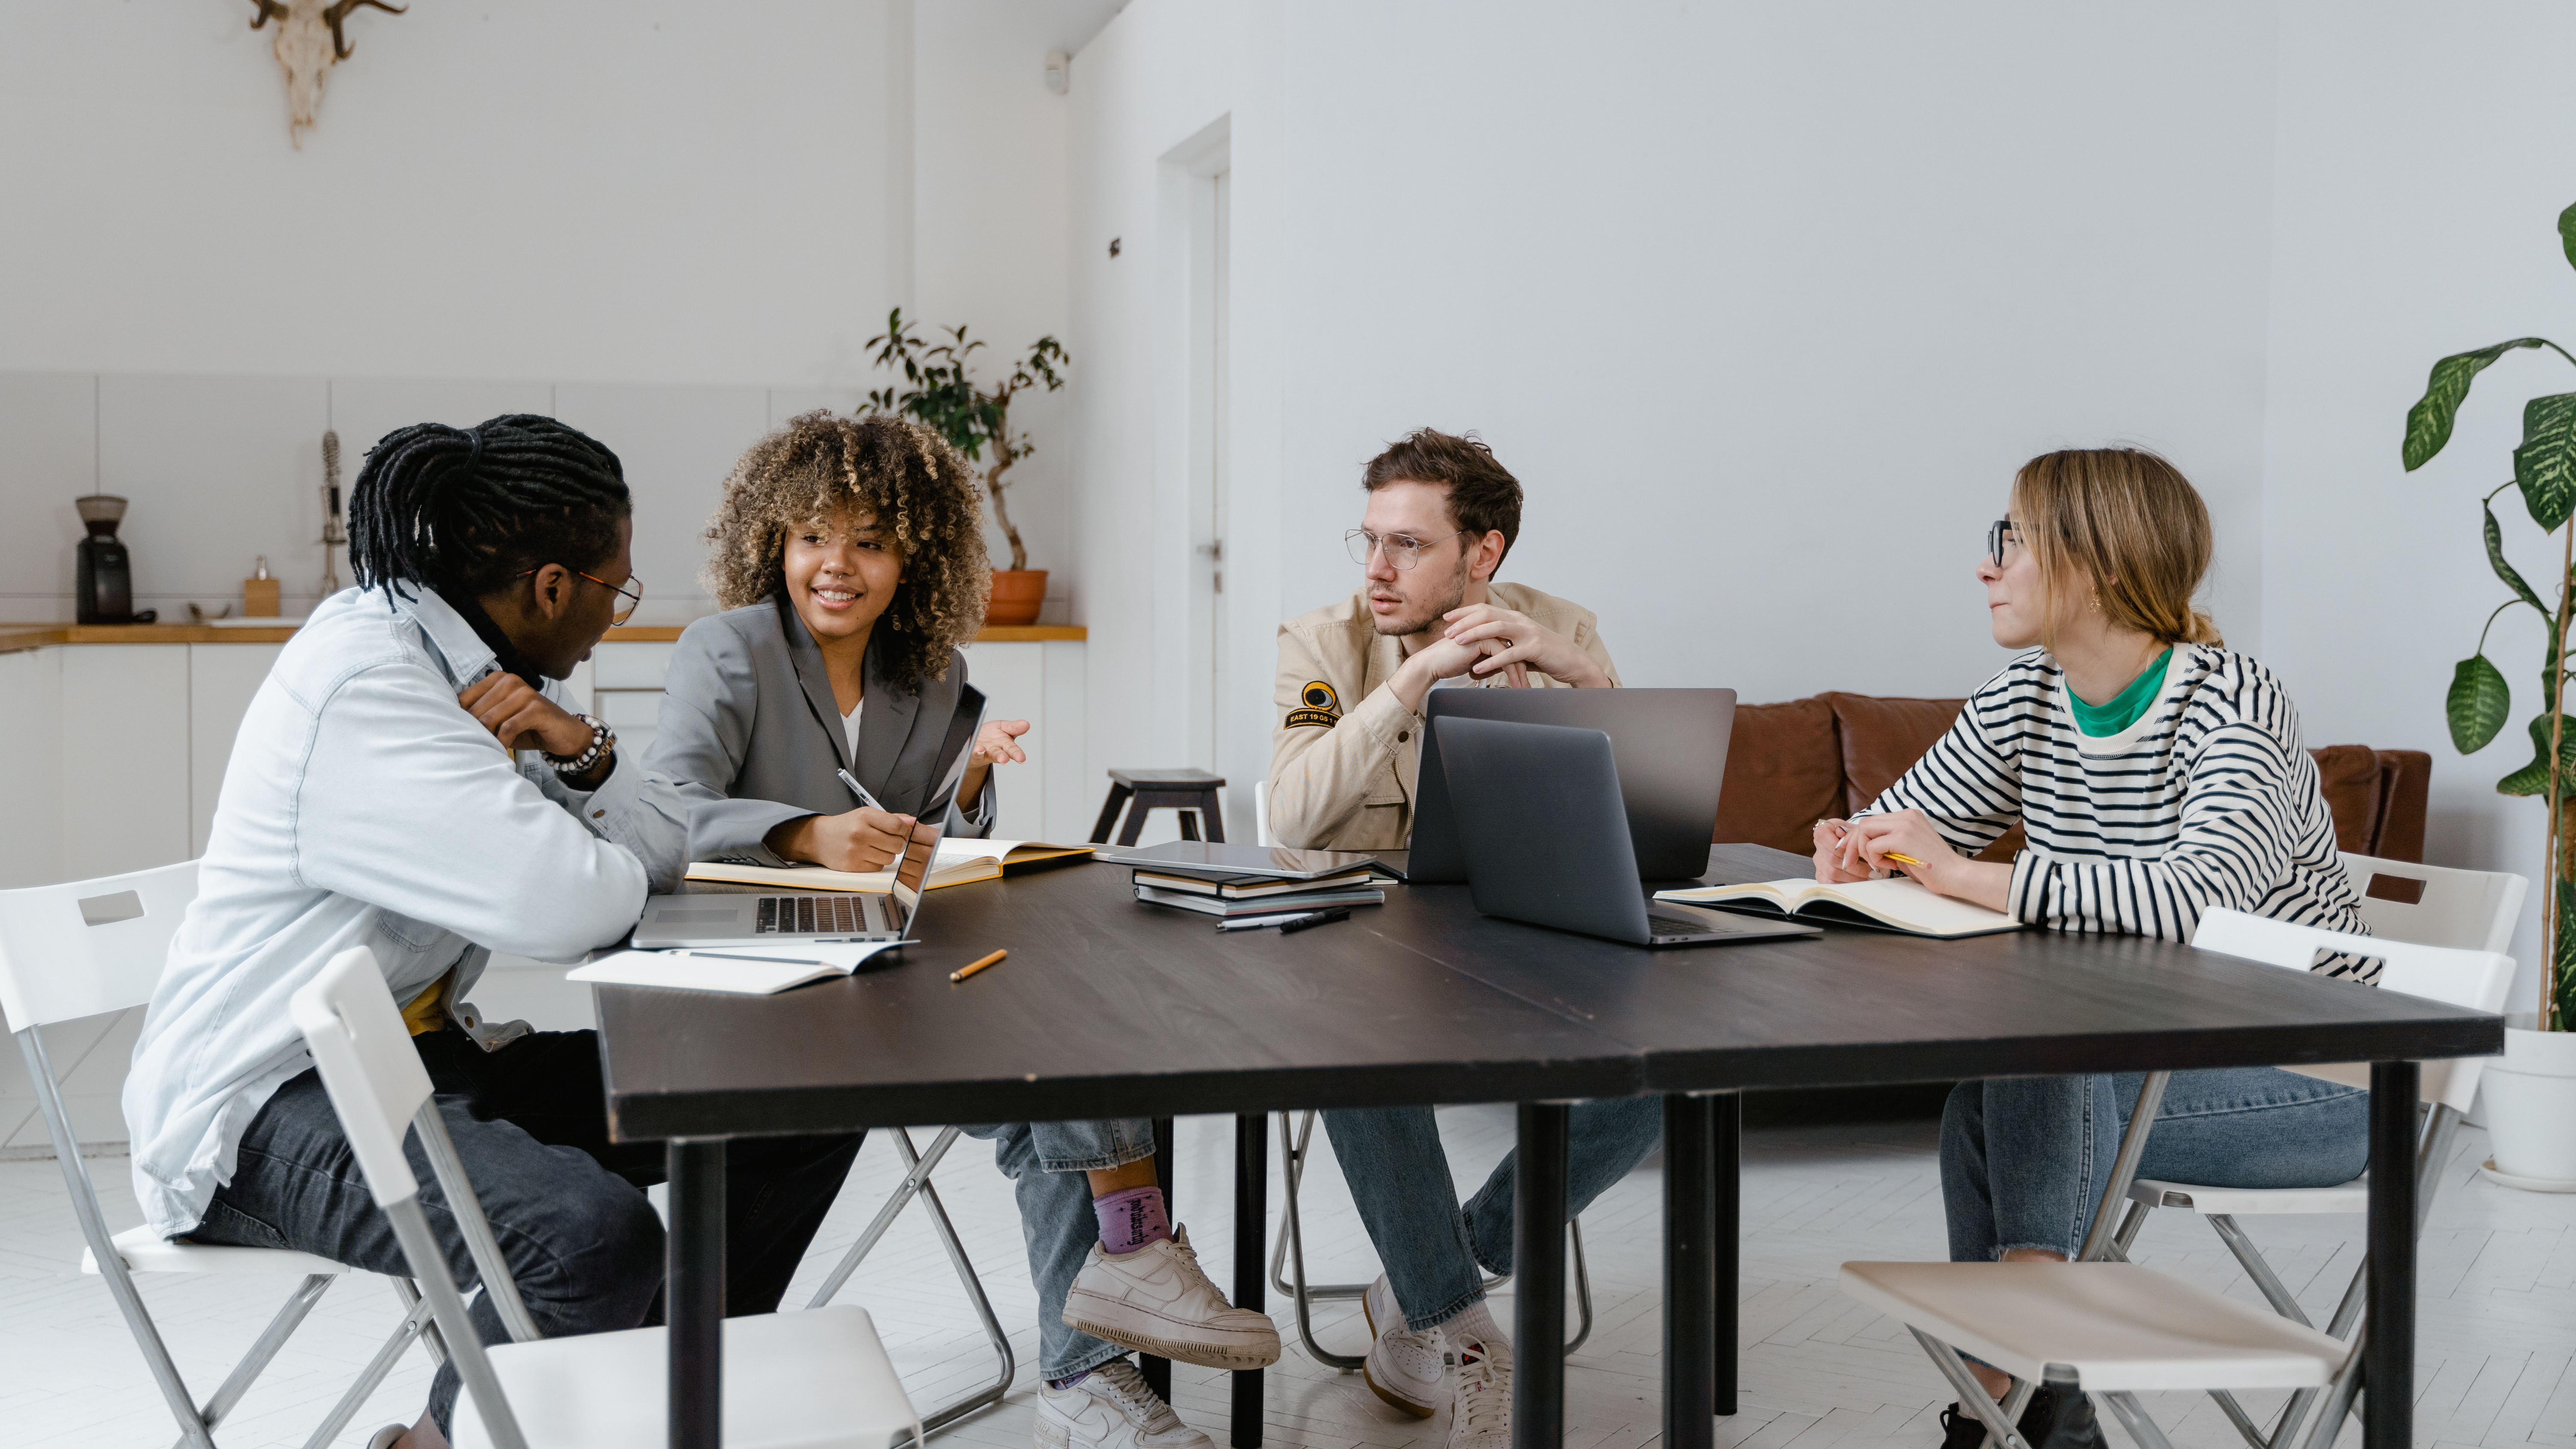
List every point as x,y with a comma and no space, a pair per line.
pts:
1963,1430
2067,1423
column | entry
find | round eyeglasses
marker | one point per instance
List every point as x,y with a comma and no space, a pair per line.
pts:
1999,533
630,595
1403,550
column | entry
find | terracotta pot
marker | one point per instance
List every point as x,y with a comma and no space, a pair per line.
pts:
1018,594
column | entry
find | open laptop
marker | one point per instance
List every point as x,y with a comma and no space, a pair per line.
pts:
712,919
1671,750
1547,842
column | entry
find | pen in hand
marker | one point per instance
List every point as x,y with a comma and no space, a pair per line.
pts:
861,791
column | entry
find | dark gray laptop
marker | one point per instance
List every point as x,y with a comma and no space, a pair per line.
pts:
1671,749
704,919
1547,841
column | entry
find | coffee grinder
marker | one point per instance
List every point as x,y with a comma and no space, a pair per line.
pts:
104,589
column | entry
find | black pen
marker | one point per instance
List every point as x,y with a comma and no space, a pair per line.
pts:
1320,918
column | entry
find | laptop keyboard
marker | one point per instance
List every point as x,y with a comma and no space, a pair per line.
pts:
834,915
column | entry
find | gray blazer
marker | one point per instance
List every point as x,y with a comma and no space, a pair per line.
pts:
750,734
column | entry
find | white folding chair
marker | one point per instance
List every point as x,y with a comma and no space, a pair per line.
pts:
2434,905
79,950
2474,905
1288,1256
916,1183
813,1380
2105,1326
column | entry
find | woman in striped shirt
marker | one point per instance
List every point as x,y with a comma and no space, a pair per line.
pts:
2158,774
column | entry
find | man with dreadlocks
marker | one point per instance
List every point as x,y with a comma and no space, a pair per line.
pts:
405,780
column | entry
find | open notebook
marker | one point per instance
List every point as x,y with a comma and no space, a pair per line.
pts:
1894,905
957,862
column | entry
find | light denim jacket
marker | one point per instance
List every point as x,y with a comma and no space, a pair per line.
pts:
363,806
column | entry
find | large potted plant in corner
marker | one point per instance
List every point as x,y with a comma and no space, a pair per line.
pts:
940,392
2531,1094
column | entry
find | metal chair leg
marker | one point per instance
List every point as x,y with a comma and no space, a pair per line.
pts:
1290,1251
916,1183
414,1321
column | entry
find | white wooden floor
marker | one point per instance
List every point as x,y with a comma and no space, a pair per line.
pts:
2498,1317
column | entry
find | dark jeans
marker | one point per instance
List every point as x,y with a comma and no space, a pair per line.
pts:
566,1204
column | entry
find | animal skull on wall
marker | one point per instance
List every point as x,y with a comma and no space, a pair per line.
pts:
308,44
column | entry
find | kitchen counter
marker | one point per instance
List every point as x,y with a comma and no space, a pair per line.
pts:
14,637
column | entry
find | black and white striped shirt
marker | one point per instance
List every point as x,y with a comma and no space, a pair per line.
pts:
2207,800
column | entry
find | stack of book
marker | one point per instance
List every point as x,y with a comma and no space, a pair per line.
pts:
1238,897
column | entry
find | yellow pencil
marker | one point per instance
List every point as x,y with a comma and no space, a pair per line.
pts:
971,967
1899,859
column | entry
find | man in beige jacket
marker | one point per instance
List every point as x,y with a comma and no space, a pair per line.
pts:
1353,677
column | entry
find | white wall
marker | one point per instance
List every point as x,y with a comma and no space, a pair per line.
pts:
2421,172
673,225
1745,295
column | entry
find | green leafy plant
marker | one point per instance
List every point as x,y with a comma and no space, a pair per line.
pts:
2480,701
940,392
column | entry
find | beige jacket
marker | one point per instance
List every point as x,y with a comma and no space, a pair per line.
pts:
1342,774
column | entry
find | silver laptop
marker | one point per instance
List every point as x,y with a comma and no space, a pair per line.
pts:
714,919
1547,842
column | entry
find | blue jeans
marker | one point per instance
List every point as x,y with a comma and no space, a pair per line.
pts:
2024,1161
1045,1162
566,1204
1399,1178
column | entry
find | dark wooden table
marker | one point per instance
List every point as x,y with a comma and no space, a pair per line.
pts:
1110,1009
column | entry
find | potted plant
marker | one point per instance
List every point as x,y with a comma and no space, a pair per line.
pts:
2530,1095
940,392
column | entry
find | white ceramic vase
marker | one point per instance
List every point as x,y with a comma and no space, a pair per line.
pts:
2529,1096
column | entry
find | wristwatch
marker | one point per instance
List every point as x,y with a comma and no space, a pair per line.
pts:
602,740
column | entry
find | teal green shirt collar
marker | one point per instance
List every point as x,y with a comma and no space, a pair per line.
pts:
2125,709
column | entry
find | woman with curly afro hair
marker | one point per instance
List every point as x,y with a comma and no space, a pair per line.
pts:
849,556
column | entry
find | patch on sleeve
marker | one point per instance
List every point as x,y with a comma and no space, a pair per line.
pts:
1317,705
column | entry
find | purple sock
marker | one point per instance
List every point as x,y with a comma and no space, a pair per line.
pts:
1132,1218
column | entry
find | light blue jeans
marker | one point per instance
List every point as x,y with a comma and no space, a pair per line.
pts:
1045,1162
2024,1161
1433,1249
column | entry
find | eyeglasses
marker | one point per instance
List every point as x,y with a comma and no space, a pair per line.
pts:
1997,534
1403,550
631,593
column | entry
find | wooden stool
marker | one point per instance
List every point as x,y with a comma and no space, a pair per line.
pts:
1192,792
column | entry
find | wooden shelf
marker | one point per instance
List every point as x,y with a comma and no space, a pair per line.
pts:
14,637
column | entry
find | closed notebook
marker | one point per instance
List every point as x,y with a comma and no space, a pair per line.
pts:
1893,905
1311,900
1246,887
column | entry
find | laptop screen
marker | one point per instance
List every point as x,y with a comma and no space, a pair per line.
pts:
955,753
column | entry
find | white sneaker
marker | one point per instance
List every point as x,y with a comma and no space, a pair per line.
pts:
1404,1365
1156,1300
1480,1417
1111,1409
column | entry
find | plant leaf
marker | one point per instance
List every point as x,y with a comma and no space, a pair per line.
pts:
2428,423
2505,570
2533,779
2545,464
2478,704
2567,233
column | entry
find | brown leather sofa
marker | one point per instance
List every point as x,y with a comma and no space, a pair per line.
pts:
1792,764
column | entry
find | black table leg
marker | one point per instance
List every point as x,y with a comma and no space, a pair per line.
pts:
1251,1235
2388,1359
1689,1281
1158,1371
1726,1237
693,1291
1538,1279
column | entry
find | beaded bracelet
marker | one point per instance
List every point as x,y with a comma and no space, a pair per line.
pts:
602,740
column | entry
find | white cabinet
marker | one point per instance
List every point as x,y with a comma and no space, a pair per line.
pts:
125,758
